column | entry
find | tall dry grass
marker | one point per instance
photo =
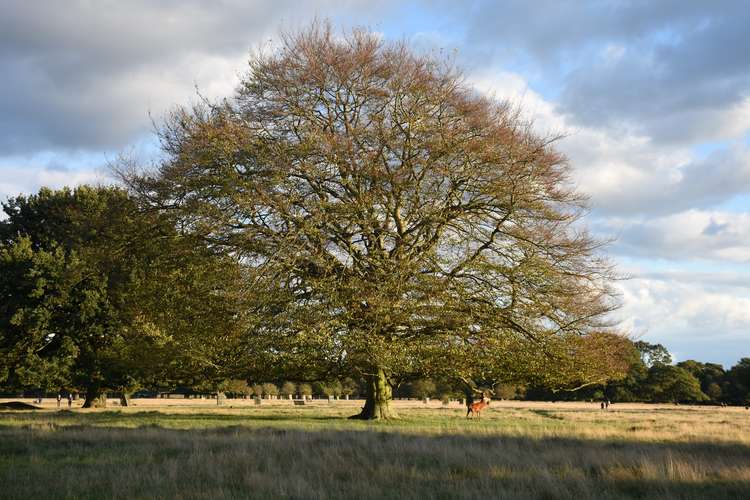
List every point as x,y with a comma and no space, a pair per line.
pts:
277,451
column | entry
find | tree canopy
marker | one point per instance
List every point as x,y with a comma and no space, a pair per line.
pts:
97,294
668,383
394,221
653,354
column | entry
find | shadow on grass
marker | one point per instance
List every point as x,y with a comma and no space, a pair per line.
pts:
547,414
116,416
240,417
235,461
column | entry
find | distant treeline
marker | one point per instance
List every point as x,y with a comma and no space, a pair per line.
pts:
654,379
651,379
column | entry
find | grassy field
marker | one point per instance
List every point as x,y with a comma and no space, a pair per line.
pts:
194,449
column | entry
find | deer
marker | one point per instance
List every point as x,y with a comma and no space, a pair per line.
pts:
476,408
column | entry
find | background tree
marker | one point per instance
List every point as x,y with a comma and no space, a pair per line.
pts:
349,387
320,388
328,389
422,388
509,391
447,389
631,386
337,388
667,383
288,389
270,390
394,222
238,388
26,338
652,354
104,295
738,376
305,390
712,377
81,301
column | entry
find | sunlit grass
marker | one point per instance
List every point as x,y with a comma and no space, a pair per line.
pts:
282,451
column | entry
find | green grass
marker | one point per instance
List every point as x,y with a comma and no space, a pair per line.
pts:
552,451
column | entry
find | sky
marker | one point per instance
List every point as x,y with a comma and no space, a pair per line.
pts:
652,100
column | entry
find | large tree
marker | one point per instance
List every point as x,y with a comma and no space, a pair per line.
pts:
667,383
396,223
711,376
100,295
738,387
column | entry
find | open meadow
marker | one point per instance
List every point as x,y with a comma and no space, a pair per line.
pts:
196,449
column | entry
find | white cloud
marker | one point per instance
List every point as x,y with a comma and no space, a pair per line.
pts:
513,87
692,318
15,181
702,124
85,76
689,235
26,174
627,173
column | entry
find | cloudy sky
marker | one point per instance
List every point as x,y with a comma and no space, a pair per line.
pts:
653,98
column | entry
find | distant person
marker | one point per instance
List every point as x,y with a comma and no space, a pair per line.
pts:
70,400
602,405
59,398
606,404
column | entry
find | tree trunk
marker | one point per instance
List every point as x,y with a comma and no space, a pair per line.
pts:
379,395
124,399
469,393
95,398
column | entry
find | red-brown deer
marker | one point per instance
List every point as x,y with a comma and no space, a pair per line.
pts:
476,408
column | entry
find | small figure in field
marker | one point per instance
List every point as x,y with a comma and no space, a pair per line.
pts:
59,398
476,408
602,405
606,404
70,400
